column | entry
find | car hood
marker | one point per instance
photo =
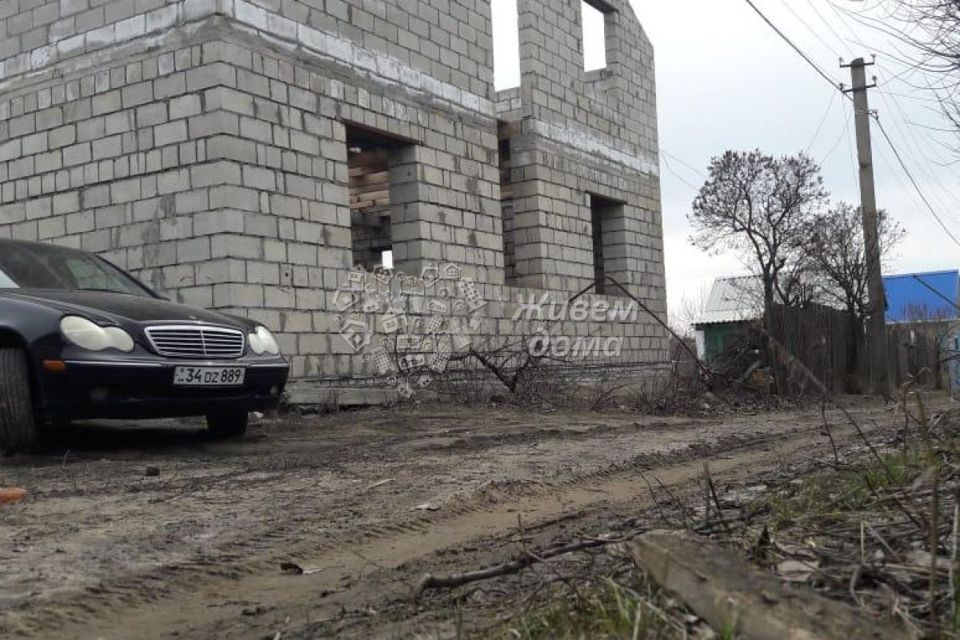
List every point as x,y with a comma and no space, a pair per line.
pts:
120,308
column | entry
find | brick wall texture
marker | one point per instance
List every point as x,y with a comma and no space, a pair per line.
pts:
202,144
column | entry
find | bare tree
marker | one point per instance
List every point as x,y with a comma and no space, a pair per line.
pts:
835,247
690,310
931,30
759,206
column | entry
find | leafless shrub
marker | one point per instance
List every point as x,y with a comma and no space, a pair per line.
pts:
503,370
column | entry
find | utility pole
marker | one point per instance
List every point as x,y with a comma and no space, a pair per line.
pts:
877,326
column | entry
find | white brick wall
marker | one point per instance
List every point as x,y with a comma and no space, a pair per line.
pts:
156,134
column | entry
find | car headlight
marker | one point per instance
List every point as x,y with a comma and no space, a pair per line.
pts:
262,341
92,337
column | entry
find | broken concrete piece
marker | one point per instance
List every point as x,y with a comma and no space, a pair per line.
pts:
732,594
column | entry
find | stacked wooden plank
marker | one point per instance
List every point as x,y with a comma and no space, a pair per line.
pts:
370,182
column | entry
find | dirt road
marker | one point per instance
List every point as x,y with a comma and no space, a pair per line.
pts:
160,533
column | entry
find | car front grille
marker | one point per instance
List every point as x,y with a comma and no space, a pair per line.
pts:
193,341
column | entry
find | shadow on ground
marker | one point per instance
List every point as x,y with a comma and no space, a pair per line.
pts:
115,436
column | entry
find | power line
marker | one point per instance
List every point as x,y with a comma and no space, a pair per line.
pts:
910,67
815,33
920,158
839,38
913,181
800,52
891,99
676,175
888,165
839,87
908,96
855,37
852,152
843,135
686,164
913,146
920,63
826,114
939,295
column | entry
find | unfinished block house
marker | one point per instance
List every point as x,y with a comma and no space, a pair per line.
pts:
245,155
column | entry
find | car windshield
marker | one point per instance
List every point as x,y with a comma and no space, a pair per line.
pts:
37,266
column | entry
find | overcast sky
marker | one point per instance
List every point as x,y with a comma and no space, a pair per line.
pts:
726,81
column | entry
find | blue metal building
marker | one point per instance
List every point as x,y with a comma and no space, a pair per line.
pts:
916,297
929,297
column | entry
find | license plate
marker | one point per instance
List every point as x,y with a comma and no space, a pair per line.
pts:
208,376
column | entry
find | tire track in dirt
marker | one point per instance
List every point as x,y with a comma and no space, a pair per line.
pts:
206,596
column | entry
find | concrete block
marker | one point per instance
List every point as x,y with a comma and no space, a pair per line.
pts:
137,94
125,190
171,85
184,106
215,173
256,178
77,154
170,133
66,202
209,124
193,250
11,150
56,138
151,114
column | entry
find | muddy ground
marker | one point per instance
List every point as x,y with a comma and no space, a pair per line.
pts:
158,532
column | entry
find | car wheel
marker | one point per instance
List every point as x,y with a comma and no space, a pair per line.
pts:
18,427
228,425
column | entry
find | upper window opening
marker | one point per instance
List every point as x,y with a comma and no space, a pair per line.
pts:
506,44
594,36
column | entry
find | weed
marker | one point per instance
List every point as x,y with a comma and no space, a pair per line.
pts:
604,609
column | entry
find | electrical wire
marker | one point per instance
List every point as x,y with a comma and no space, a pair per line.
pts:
836,35
920,159
836,145
800,52
913,181
826,114
938,293
908,96
876,117
815,33
666,163
686,164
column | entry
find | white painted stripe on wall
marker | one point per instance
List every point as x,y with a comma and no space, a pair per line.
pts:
108,35
331,46
571,136
266,22
344,50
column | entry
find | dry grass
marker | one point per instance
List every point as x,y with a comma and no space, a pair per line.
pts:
879,532
876,527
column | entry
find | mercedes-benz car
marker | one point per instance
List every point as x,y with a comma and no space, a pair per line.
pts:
82,339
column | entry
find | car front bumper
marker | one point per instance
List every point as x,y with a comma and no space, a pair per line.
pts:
140,389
